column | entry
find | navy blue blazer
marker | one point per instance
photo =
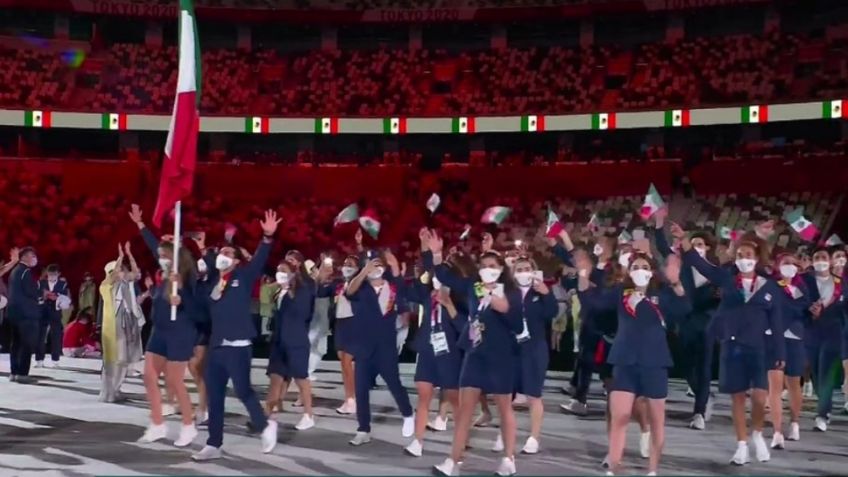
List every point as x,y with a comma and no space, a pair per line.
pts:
160,308
230,315
539,311
794,309
452,327
61,288
704,299
292,317
826,330
375,328
24,294
641,338
739,321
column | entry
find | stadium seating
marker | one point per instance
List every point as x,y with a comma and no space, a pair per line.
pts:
741,69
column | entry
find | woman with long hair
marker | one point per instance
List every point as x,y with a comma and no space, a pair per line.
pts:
794,303
748,309
639,354
490,363
439,357
290,343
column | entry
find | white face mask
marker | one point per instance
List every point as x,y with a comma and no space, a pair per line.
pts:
223,262
437,285
165,263
746,265
624,259
282,278
349,272
598,250
524,279
640,277
821,266
489,275
701,251
840,262
201,266
377,273
788,271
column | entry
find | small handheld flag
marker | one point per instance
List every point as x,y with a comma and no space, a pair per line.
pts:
433,203
834,241
229,233
368,221
465,233
495,215
624,237
806,229
653,203
594,224
347,215
553,226
727,233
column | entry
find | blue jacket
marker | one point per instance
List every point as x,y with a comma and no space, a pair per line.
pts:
187,311
453,327
292,318
231,319
641,339
24,294
739,321
539,311
500,329
375,329
704,299
593,323
50,311
826,330
794,309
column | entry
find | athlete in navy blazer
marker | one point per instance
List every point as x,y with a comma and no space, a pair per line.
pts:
748,309
51,319
640,354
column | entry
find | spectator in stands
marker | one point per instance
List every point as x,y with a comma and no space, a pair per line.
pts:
80,337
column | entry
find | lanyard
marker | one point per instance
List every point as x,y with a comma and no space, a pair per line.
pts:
632,310
435,314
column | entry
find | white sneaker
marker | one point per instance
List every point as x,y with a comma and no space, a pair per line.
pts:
447,468
507,467
794,432
645,445
608,473
360,438
349,407
575,407
784,395
605,463
269,437
201,419
708,413
531,446
689,392
207,453
438,424
742,455
498,446
408,426
187,435
154,433
777,441
808,389
652,474
415,448
168,410
306,422
39,364
697,423
298,403
483,420
762,450
51,364
821,424
845,407
519,400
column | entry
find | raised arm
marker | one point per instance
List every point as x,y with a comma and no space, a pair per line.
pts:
357,281
253,269
442,271
136,273
716,275
147,235
564,250
113,277
14,257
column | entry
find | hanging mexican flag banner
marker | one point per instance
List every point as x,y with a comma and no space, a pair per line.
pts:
113,121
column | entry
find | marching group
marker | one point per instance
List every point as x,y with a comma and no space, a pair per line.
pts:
776,317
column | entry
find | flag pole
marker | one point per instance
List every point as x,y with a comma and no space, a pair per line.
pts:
175,286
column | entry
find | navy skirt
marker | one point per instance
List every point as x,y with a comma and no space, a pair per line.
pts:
289,362
491,376
644,381
533,358
173,343
440,371
796,357
344,335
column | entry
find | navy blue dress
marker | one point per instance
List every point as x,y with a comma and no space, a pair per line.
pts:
741,325
533,353
640,355
442,370
489,363
289,357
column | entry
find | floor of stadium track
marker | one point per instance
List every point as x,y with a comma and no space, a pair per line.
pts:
56,427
